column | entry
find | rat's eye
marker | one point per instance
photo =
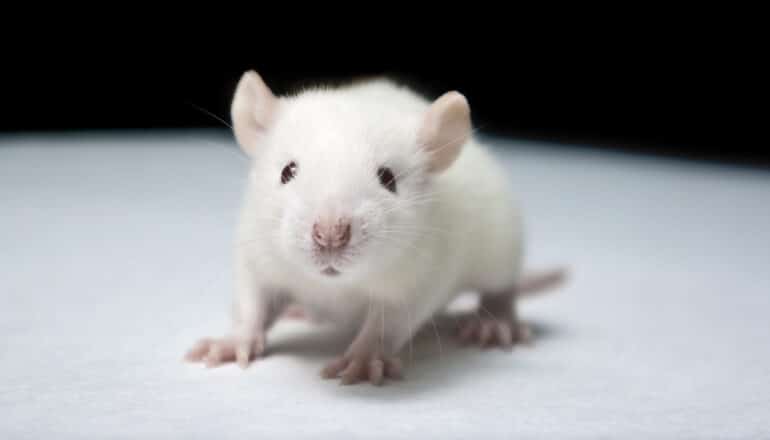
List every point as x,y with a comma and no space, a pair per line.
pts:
387,179
289,171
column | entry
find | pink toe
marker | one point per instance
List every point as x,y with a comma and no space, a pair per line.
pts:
214,356
243,355
376,370
212,362
353,372
198,350
486,333
467,331
258,347
504,335
333,369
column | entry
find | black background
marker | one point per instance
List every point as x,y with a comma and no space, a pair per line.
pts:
672,94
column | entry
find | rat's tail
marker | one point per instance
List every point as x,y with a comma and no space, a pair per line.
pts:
534,283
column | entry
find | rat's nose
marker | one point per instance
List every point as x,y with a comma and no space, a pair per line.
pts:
332,236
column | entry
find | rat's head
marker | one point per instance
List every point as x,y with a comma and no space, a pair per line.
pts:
343,178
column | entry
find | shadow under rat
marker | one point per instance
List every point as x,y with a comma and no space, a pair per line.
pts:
433,358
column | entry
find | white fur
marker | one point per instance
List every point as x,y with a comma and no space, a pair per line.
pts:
440,234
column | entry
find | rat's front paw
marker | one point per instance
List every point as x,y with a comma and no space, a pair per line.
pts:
491,332
215,352
353,369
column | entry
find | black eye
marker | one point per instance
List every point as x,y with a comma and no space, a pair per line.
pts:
387,179
289,171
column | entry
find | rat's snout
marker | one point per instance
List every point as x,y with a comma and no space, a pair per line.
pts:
331,235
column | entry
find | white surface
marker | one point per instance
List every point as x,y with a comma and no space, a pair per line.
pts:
114,258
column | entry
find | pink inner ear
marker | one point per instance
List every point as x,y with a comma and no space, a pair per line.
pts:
252,110
445,130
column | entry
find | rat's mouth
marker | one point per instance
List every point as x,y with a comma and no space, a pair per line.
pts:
330,271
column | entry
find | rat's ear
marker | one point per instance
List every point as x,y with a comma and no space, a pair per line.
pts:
445,128
252,110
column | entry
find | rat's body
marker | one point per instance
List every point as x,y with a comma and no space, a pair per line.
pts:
396,210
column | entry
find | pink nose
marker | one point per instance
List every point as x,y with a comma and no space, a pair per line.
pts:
331,236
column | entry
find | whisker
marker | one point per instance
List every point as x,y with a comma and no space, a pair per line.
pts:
213,115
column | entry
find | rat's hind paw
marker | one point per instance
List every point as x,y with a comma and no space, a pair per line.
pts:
215,352
355,369
491,332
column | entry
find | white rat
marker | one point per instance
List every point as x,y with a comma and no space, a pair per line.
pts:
371,208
